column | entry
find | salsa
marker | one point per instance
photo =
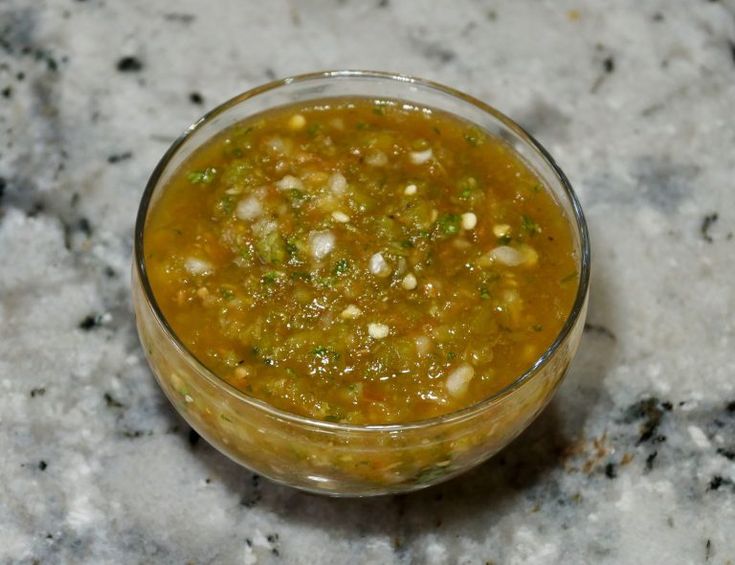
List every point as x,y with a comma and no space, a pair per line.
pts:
361,261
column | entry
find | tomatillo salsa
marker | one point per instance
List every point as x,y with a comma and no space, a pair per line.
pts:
361,261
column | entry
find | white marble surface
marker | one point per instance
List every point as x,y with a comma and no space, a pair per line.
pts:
634,461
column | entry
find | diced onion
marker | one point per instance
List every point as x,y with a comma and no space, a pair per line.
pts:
337,183
321,244
376,159
289,182
249,208
459,379
340,217
421,157
198,266
350,312
507,256
379,266
378,331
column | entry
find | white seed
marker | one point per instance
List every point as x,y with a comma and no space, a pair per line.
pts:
379,266
501,230
337,183
459,379
321,244
530,255
249,208
289,182
410,190
469,221
340,217
297,122
198,266
378,331
423,345
350,312
376,159
409,281
421,157
507,256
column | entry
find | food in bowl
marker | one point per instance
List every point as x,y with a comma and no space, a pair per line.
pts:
364,267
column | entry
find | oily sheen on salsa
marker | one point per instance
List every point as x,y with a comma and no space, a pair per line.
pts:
361,261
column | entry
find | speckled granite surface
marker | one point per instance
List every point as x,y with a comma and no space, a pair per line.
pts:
634,461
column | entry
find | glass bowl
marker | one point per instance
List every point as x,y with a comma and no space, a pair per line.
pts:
333,458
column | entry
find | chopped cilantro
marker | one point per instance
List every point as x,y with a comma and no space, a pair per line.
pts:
325,354
270,277
342,266
529,226
484,292
449,223
467,186
205,176
474,137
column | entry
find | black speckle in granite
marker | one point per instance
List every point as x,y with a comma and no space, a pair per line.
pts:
726,453
707,223
117,157
110,272
599,329
196,98
129,64
650,459
657,17
252,494
135,434
273,540
112,402
730,407
541,118
731,45
383,3
608,64
438,52
248,542
37,208
649,411
40,391
270,74
666,405
717,482
193,437
664,184
611,470
179,18
708,550
3,184
84,226
89,323
42,465
20,77
7,92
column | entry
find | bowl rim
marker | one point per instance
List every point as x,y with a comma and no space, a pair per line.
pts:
451,417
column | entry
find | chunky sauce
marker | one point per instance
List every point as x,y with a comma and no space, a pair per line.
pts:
361,261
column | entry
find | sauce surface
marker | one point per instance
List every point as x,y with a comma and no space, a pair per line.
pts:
361,261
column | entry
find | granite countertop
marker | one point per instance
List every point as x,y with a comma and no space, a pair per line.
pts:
634,460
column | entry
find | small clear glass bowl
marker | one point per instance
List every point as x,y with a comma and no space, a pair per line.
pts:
332,458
